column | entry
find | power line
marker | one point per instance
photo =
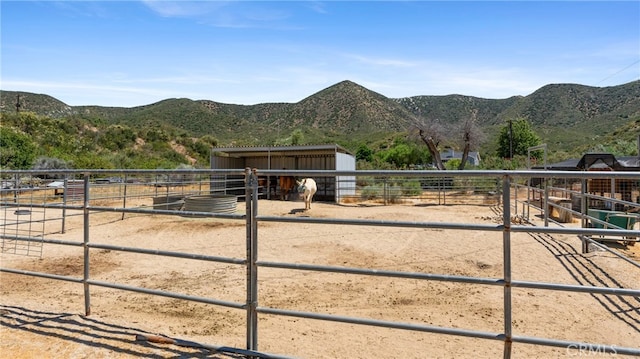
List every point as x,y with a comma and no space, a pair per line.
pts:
610,76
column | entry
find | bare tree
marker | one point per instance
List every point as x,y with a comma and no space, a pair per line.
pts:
431,133
472,136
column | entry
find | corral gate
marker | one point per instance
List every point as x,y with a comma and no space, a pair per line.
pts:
252,218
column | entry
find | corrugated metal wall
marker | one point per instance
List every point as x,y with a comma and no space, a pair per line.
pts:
346,185
272,162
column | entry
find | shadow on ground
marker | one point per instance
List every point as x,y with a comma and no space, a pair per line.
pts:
119,340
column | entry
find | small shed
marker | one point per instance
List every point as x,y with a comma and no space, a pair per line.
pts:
295,157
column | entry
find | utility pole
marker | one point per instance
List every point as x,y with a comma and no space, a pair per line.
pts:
18,104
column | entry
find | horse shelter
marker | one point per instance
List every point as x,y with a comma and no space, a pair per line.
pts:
273,161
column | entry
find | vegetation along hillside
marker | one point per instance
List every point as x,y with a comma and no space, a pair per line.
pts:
572,119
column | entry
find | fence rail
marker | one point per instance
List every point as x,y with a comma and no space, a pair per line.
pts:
504,185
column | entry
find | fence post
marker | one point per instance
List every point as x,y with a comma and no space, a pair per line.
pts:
251,206
584,211
64,203
385,191
515,199
506,249
545,202
124,197
85,208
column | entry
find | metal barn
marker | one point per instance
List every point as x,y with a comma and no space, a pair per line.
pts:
285,158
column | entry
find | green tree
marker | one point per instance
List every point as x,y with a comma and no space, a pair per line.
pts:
297,137
617,147
515,138
92,161
364,153
156,134
201,148
453,164
209,140
17,149
116,137
403,154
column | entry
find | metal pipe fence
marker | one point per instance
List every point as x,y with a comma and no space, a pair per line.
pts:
118,195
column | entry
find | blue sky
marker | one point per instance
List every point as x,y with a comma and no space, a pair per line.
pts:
132,53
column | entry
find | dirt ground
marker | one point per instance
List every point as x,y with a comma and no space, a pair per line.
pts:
44,318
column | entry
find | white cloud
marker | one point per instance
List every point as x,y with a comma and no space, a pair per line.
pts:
317,6
381,61
184,8
226,14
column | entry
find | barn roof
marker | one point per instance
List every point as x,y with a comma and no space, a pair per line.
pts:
595,161
252,151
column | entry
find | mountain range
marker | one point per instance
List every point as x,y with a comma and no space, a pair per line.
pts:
565,116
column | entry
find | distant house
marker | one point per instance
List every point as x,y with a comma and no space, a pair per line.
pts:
451,154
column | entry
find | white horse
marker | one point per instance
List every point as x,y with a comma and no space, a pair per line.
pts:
308,187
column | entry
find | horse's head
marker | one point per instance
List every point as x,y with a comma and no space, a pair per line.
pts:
302,185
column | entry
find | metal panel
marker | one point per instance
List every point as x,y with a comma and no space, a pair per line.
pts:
259,162
346,185
225,163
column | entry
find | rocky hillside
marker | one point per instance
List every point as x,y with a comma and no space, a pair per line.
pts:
564,115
